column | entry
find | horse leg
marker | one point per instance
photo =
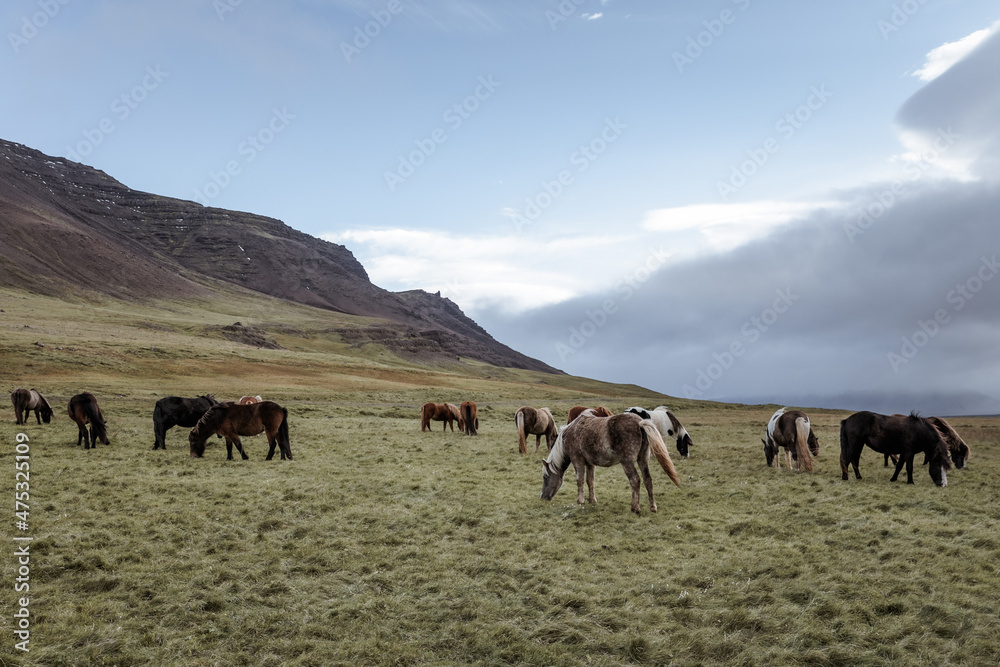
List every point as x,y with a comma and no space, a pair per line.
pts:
591,498
788,458
38,416
538,441
239,447
899,467
633,480
581,475
909,467
647,479
270,451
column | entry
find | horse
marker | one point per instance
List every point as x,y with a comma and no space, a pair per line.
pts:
792,431
591,441
83,409
231,420
470,415
957,449
536,422
26,400
903,436
668,426
440,412
176,411
578,410
249,400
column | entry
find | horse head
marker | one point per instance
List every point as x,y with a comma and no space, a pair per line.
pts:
552,480
770,451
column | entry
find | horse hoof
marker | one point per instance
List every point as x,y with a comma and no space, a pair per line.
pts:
652,508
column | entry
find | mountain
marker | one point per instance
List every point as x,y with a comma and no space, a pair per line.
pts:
941,404
72,230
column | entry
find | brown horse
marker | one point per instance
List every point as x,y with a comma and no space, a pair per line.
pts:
537,423
440,412
599,411
249,400
26,400
791,430
604,441
957,449
83,409
470,415
903,436
231,420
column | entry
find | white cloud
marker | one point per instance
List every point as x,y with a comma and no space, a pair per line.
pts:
727,226
591,17
943,57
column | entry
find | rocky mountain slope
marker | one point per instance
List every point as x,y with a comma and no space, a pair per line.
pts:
69,229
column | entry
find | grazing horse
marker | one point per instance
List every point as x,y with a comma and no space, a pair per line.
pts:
26,400
957,449
176,411
578,410
83,409
604,441
231,420
249,400
536,422
470,415
792,431
440,412
903,436
668,426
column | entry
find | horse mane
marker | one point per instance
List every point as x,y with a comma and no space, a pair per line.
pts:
557,458
940,449
950,436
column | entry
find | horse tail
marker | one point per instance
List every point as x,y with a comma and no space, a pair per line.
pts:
283,442
659,448
100,432
802,443
522,445
471,420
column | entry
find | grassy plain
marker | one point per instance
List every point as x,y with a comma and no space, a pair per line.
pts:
382,545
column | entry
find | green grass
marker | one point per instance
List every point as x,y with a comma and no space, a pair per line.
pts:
382,545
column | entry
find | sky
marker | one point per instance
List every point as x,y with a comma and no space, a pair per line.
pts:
730,200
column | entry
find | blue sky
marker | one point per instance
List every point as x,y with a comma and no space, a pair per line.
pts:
648,136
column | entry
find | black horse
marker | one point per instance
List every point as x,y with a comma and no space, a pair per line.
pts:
83,409
901,435
176,411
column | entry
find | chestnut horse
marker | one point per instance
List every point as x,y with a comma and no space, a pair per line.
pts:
231,420
668,426
792,431
83,409
470,415
903,436
537,423
26,400
176,411
604,441
599,411
440,412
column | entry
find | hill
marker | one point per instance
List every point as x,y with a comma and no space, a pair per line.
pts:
70,230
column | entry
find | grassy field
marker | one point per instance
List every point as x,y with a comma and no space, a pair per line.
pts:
382,545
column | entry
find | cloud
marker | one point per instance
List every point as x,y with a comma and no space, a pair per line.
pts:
592,17
943,57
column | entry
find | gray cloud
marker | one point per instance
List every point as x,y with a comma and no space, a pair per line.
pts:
817,309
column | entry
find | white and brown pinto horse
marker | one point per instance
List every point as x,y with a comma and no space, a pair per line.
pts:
790,430
27,401
591,441
536,422
249,400
668,426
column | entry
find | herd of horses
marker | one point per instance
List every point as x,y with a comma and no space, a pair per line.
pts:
592,436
